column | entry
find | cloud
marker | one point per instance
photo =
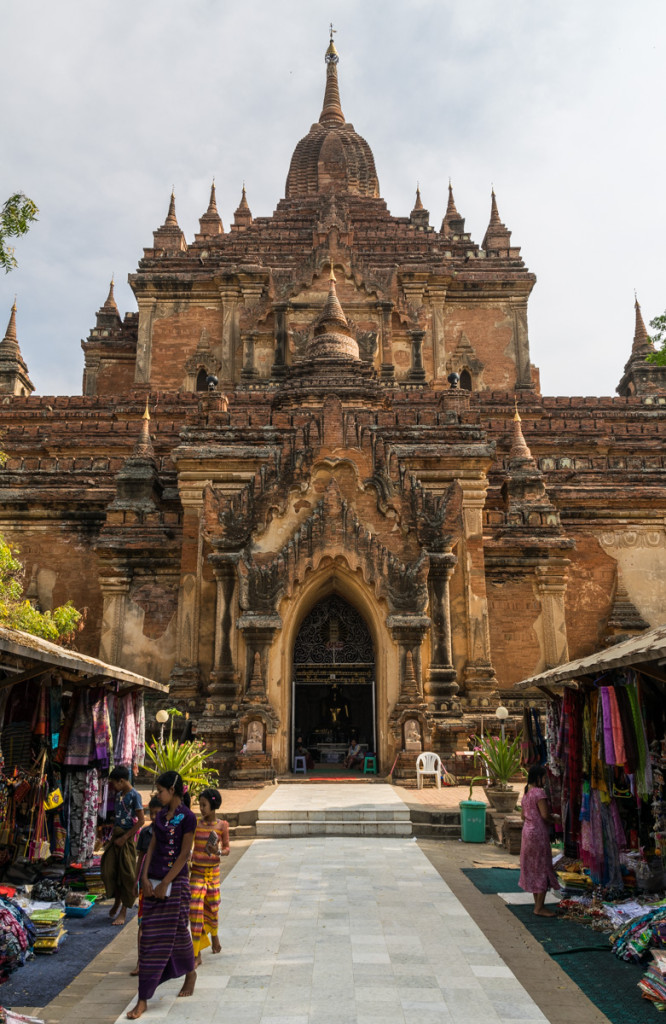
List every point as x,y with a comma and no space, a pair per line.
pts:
112,104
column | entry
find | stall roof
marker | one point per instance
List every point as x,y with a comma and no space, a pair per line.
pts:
26,654
643,649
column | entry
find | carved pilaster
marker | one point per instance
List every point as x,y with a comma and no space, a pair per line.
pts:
144,345
387,367
230,296
522,348
249,371
479,674
551,584
417,372
279,367
224,679
442,682
115,593
437,296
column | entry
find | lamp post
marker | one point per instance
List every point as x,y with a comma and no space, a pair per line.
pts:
162,717
502,714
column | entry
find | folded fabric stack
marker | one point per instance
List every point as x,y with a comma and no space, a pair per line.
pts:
11,1017
653,982
13,941
632,941
49,928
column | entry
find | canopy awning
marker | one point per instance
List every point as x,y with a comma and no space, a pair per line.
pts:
646,651
23,657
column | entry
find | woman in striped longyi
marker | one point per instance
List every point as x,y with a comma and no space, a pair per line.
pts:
165,947
211,842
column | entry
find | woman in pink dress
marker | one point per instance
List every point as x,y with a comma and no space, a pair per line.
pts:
536,862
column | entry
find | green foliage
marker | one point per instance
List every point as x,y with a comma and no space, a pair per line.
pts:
477,778
188,759
500,756
658,340
17,612
16,216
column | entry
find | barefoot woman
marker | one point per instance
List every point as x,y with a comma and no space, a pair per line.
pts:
165,949
536,862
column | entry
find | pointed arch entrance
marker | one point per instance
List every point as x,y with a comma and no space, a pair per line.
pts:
333,696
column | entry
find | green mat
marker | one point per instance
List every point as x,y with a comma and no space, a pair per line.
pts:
586,956
493,880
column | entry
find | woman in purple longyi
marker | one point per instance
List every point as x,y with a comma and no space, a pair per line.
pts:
165,947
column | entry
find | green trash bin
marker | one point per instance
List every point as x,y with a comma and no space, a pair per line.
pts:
473,821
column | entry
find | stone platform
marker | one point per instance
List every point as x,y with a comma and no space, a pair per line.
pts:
333,809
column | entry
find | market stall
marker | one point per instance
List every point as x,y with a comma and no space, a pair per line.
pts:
606,761
66,720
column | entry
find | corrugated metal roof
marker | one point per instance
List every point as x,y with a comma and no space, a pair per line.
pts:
645,647
34,648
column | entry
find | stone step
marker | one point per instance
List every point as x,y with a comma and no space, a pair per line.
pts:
334,814
282,828
427,830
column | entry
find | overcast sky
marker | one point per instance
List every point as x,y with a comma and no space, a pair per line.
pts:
560,106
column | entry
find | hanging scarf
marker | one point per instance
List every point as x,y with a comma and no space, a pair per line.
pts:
80,750
644,770
101,731
126,738
609,749
618,736
140,718
55,713
553,715
597,768
628,733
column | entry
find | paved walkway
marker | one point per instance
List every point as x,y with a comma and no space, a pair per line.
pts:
346,931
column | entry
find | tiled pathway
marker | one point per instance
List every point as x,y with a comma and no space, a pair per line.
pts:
346,931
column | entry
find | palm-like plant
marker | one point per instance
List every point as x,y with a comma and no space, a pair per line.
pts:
500,756
188,759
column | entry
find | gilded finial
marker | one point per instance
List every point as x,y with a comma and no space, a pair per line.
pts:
332,276
331,52
146,414
517,414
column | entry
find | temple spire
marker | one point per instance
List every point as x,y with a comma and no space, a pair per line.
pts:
210,224
453,223
110,303
143,447
14,378
418,205
169,238
519,449
10,333
642,344
171,220
243,214
497,237
419,217
332,108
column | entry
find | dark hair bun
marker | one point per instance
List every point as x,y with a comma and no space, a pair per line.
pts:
213,797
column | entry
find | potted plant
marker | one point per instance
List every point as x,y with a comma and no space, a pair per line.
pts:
501,758
189,759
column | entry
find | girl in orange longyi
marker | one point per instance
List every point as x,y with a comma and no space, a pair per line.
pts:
211,842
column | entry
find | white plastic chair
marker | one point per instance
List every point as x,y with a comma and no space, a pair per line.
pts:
428,764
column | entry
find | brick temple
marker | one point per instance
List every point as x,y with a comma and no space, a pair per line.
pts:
314,485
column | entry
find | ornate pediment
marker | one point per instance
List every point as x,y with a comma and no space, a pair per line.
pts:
332,529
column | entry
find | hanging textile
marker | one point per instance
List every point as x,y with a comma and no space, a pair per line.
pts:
80,744
140,717
126,738
101,730
89,815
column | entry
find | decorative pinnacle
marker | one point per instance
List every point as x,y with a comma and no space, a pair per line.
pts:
418,205
332,276
519,449
146,414
10,334
332,109
171,215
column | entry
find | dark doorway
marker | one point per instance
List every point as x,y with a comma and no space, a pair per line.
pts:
333,689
